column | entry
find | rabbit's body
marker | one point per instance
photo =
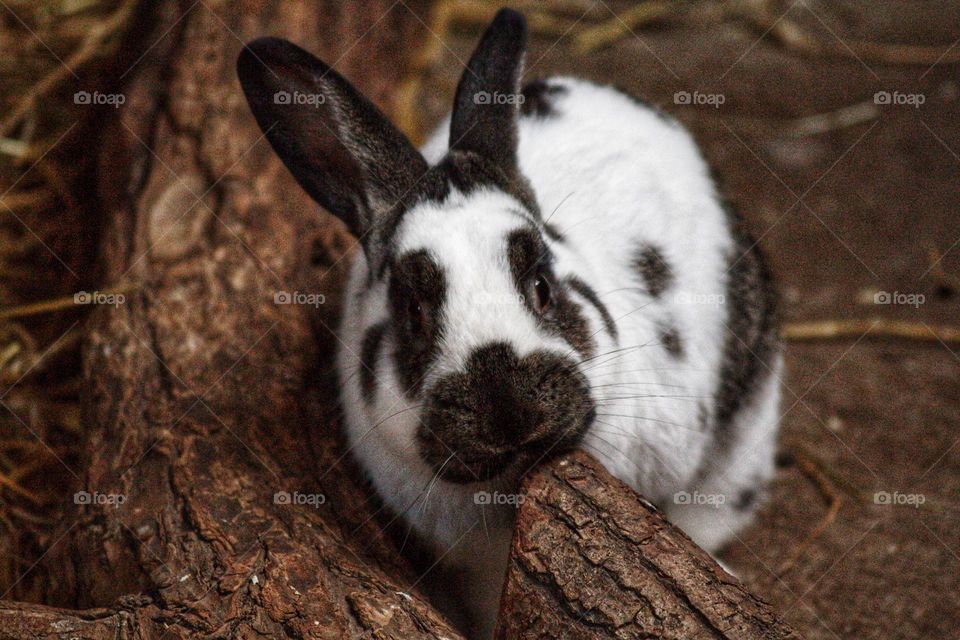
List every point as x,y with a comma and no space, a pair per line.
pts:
635,216
565,274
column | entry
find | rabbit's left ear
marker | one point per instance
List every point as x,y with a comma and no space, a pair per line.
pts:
334,141
487,102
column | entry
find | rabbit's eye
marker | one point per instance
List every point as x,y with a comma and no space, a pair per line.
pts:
542,296
417,315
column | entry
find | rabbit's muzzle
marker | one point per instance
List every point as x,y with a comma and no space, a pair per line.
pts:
503,411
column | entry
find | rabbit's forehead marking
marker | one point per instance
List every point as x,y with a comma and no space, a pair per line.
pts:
486,246
479,220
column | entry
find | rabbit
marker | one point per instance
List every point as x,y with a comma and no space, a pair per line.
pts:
554,269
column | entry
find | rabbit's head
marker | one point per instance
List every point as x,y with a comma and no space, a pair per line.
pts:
479,330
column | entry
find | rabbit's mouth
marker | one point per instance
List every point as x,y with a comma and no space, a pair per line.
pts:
513,462
503,414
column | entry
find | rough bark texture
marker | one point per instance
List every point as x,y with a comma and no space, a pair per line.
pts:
22,621
592,559
206,400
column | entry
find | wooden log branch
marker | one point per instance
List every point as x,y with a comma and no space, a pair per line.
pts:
215,491
592,559
22,621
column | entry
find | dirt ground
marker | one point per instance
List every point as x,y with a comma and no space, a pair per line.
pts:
843,215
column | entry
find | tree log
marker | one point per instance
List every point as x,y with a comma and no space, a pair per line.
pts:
215,484
592,559
22,621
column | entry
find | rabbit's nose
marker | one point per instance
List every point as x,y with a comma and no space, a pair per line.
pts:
502,407
517,396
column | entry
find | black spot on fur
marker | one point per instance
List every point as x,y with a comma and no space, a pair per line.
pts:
538,98
751,329
670,339
528,256
416,292
587,292
745,499
654,270
553,233
503,409
369,351
784,459
568,322
703,417
526,252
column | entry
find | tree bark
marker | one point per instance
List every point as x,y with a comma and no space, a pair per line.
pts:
209,406
592,559
22,621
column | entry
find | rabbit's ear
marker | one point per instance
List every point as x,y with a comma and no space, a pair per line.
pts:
486,106
341,149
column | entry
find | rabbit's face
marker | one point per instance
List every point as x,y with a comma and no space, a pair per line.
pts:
487,338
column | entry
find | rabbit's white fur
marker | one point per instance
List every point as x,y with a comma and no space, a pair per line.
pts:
610,175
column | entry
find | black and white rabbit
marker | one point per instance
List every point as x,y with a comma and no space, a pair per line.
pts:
555,269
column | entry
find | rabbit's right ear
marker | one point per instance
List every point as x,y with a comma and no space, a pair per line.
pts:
486,105
341,149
